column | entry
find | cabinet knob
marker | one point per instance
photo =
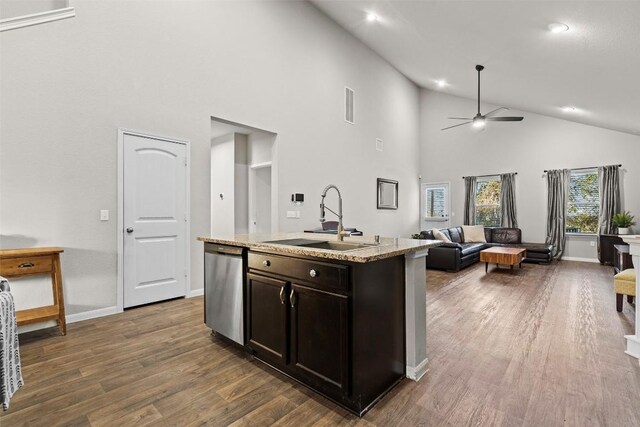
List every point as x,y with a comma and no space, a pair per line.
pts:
266,263
313,273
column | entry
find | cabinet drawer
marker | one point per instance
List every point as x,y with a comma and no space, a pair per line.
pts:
26,265
320,274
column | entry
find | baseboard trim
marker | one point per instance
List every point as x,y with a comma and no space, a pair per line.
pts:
195,293
573,258
86,315
418,372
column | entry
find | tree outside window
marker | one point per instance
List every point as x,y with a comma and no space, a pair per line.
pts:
583,205
488,202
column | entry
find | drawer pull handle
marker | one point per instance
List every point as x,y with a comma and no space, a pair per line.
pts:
26,265
282,295
266,263
313,273
292,297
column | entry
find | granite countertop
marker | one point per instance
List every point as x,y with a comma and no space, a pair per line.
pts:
388,247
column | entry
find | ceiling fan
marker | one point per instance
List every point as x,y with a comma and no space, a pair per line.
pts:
479,120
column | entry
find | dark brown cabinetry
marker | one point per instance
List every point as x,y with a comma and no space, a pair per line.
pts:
319,336
336,327
606,252
268,317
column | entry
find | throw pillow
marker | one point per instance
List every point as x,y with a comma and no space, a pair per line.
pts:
473,234
439,235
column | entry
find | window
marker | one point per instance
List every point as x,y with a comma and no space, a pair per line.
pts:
436,206
488,202
583,205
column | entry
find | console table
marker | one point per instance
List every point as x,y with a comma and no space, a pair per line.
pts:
32,261
622,259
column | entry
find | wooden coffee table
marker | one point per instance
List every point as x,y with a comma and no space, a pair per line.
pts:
501,255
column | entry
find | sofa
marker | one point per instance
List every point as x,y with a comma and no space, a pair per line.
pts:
457,255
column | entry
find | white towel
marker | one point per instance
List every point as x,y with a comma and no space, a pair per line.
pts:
10,371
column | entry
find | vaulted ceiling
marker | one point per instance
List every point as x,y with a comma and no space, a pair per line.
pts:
593,67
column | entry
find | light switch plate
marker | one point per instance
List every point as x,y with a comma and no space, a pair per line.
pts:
104,215
291,214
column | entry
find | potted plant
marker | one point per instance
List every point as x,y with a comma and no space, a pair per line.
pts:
623,221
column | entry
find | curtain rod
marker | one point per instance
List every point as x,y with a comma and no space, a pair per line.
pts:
579,169
491,174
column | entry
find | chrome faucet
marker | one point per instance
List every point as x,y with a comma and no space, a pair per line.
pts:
341,232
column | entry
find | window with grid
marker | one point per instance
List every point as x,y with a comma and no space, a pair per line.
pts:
436,207
488,202
583,206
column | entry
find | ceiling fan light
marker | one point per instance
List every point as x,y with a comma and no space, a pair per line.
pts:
558,27
479,122
372,17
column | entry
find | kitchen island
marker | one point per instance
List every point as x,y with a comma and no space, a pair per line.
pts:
348,319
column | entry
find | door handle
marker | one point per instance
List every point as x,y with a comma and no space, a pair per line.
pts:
282,295
130,230
292,298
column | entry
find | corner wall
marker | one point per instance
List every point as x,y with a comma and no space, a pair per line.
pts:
528,147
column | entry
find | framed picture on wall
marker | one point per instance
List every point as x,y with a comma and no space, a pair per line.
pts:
387,193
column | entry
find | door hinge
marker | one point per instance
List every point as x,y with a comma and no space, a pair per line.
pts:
185,217
185,161
185,272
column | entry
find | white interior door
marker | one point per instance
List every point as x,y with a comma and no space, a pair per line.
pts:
260,200
154,219
434,205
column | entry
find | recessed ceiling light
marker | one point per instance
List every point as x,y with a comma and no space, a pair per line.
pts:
372,17
441,83
569,109
558,27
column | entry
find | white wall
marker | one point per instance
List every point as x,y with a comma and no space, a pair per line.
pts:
223,154
166,68
528,148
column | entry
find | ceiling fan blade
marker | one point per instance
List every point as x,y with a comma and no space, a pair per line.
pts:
495,111
505,119
455,126
460,118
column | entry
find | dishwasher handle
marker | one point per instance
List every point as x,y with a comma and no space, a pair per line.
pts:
212,248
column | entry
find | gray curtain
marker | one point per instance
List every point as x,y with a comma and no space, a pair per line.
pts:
609,183
557,190
508,200
470,200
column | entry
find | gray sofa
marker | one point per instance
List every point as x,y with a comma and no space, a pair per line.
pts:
458,254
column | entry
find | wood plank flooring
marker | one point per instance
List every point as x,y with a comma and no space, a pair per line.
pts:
541,346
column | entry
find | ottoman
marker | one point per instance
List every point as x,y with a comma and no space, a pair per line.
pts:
624,283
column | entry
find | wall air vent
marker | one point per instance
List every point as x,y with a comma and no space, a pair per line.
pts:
348,105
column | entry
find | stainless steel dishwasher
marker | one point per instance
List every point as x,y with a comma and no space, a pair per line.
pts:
224,275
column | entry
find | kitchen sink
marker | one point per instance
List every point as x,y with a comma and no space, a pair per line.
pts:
322,244
337,246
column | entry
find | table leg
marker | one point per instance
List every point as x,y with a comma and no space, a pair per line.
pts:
486,267
57,280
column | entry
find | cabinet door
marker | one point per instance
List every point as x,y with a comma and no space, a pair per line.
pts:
267,308
319,337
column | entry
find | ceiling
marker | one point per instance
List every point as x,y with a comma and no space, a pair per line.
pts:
593,67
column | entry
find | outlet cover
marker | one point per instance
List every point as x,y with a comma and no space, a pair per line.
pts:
379,144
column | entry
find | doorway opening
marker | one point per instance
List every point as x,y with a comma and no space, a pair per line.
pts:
243,179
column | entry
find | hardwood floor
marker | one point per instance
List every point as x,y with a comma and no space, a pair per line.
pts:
537,346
